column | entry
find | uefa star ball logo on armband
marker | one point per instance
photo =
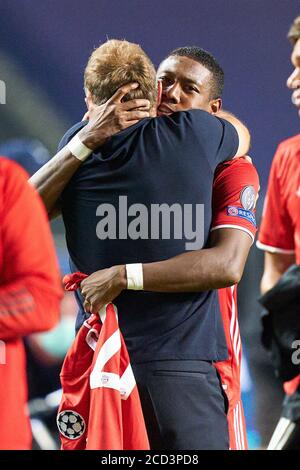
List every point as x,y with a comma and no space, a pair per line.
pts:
70,424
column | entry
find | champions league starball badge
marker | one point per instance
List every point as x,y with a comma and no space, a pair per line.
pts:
248,198
70,424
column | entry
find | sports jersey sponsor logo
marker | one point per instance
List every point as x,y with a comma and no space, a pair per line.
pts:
155,222
70,424
242,213
248,198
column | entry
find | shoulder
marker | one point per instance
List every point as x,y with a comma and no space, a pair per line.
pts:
70,133
189,118
286,160
238,170
205,127
290,143
288,149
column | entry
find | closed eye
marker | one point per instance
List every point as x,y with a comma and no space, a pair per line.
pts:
166,81
192,88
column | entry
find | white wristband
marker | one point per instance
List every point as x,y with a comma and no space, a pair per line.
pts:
134,274
78,149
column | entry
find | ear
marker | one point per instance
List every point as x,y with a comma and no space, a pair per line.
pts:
159,91
88,99
215,105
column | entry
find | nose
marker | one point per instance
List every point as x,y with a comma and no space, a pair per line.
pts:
172,93
293,81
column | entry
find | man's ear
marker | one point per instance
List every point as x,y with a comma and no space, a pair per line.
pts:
88,99
215,105
159,92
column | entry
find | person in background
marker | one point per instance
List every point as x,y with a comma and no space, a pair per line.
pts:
30,294
279,234
45,351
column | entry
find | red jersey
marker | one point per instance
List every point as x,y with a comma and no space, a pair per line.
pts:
280,226
100,407
30,294
235,192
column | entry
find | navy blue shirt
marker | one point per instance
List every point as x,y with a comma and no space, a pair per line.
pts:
146,196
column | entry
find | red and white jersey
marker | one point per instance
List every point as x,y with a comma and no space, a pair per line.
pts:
280,226
235,192
100,407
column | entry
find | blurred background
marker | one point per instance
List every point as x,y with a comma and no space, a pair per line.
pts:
44,47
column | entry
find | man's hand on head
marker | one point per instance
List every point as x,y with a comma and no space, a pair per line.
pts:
113,116
103,287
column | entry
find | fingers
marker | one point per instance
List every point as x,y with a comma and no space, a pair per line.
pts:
122,91
134,104
82,288
96,110
87,306
129,124
136,115
92,306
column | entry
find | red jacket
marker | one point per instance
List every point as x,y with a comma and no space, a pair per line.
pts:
30,294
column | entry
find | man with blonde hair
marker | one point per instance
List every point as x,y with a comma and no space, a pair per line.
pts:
137,198
116,63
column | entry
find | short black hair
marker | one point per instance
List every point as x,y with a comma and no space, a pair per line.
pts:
208,61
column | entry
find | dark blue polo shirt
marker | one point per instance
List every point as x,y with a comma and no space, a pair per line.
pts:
144,197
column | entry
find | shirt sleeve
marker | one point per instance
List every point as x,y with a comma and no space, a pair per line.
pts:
217,137
276,232
30,288
235,192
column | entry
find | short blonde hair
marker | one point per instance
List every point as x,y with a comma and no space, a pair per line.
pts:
294,32
116,63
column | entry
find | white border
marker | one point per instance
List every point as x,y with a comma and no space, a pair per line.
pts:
239,227
273,249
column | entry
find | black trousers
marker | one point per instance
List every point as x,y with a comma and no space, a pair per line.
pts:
183,404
